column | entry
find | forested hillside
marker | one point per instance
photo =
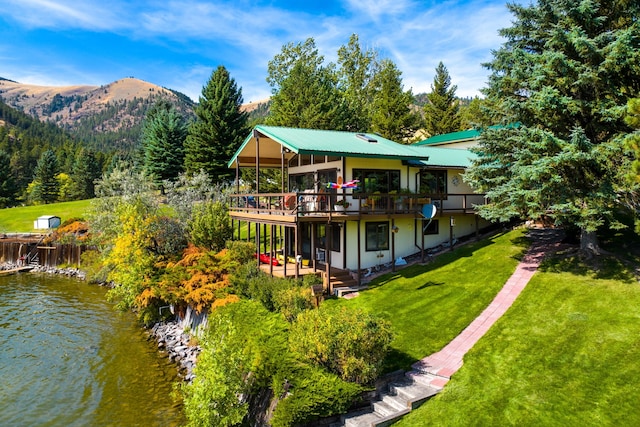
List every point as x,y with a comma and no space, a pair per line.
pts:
105,118
24,140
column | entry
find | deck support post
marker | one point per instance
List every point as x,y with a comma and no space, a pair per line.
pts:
295,254
393,245
327,255
271,249
359,259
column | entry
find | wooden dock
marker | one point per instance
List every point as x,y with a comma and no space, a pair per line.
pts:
16,270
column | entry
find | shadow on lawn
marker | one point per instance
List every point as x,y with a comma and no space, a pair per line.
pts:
436,261
397,359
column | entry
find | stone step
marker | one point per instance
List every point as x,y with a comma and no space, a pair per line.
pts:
427,379
360,419
413,393
397,401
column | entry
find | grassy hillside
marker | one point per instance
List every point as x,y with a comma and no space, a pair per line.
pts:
20,219
429,305
565,354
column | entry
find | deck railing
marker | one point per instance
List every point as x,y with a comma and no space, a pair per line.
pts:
323,203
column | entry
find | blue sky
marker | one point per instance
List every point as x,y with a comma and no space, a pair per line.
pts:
178,43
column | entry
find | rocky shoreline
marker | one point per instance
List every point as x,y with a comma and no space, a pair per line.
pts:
170,336
178,346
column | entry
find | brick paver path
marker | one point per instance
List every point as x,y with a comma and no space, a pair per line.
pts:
447,361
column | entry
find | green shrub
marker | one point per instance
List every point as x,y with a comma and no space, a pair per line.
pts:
243,347
313,393
350,343
242,252
210,226
292,301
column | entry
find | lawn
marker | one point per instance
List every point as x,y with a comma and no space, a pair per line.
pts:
429,305
565,354
20,219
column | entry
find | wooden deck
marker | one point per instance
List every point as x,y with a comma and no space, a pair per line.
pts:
16,270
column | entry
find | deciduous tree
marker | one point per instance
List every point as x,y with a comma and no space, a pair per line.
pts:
356,71
305,93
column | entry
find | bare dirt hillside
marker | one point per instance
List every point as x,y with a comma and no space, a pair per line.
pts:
67,104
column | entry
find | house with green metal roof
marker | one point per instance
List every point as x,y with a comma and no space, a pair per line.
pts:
458,140
349,202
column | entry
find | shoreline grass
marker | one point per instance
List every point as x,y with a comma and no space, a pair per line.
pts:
20,219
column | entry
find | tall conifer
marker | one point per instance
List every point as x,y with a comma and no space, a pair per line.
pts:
219,129
442,111
561,83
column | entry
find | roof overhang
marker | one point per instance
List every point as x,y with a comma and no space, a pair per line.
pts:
266,149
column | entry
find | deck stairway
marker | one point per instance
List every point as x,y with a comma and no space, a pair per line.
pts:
343,283
400,398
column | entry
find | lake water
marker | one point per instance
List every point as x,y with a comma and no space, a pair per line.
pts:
68,359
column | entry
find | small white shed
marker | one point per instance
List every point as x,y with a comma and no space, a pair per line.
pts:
46,221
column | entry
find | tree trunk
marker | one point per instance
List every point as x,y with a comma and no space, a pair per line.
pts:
589,244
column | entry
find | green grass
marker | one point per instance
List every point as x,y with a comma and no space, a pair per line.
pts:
565,354
429,305
20,219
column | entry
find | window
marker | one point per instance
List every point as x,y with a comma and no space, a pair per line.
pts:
377,236
431,228
433,182
382,181
335,237
300,182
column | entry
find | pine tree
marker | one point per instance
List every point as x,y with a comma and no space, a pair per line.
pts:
86,169
442,111
45,185
8,188
564,76
391,113
219,129
163,137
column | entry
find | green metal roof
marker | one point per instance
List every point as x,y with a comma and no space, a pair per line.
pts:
450,137
326,142
448,157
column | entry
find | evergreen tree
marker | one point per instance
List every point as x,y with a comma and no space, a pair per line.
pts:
219,129
8,188
442,110
632,171
305,93
45,185
163,136
564,75
475,114
392,116
86,169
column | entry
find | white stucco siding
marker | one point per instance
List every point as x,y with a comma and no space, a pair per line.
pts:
407,239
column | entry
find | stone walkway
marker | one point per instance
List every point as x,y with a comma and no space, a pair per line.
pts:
447,361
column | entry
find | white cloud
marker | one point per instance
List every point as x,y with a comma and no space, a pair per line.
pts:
415,34
56,14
